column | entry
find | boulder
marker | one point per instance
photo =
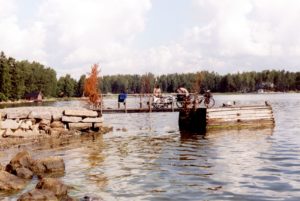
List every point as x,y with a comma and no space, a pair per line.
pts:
10,124
48,165
45,125
18,114
56,115
26,124
81,113
10,182
38,194
40,115
71,119
8,133
26,133
80,126
98,125
93,120
54,185
24,173
57,124
21,159
1,167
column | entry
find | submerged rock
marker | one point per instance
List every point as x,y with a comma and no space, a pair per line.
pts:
21,160
54,185
24,173
49,165
10,182
38,195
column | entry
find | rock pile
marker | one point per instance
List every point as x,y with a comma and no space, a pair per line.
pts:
22,167
37,121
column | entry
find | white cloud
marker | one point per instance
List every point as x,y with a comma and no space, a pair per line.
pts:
71,35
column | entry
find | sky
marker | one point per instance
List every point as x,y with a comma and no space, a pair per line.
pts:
157,36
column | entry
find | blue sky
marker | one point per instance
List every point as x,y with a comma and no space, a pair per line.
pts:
158,36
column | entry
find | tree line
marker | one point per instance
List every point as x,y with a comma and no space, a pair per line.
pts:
268,80
17,78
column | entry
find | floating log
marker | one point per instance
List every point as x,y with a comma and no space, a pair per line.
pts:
200,120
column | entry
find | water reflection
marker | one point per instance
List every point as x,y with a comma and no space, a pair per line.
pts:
152,160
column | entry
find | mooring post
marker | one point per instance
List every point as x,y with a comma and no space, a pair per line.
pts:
150,100
141,104
172,105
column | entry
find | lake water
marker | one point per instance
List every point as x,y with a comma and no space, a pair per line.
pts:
147,158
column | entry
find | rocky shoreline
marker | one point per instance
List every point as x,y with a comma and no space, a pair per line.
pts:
22,168
30,124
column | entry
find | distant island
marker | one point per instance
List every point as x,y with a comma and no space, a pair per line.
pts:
20,78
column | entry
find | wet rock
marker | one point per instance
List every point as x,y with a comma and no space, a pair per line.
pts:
10,124
105,129
91,198
71,119
10,182
97,125
28,133
45,125
48,165
57,124
54,185
93,120
21,159
81,113
80,126
38,195
40,115
24,173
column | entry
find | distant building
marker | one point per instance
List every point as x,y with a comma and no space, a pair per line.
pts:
34,96
260,91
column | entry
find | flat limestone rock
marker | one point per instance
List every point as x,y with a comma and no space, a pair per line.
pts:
17,115
10,182
93,120
71,119
79,126
40,115
57,115
10,124
81,113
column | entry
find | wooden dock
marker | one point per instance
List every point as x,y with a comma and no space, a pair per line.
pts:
240,116
237,117
138,110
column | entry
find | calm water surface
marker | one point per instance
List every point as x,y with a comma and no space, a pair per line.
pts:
147,158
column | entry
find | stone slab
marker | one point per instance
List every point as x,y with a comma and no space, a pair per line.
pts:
80,125
10,123
40,115
17,115
93,120
81,113
71,119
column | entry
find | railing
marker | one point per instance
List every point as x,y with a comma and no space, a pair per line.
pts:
143,99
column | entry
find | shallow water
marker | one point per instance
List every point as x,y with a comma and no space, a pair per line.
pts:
147,158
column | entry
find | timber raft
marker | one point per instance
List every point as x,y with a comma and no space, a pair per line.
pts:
202,119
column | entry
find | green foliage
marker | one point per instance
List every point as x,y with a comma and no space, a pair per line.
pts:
3,97
66,86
